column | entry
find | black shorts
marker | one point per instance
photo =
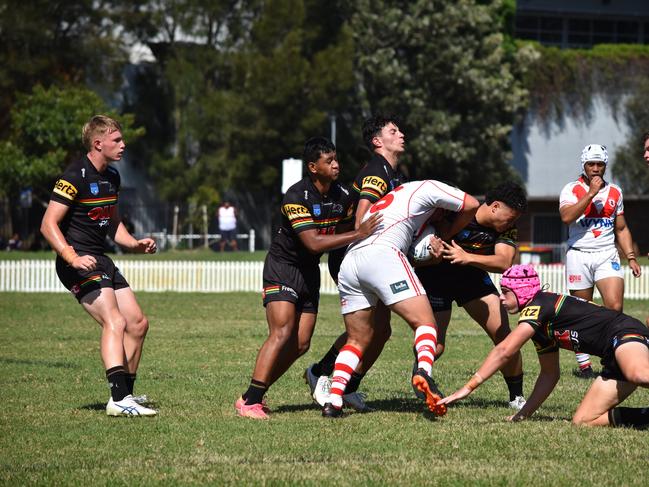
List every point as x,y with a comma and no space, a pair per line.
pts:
286,282
228,235
80,282
625,330
445,283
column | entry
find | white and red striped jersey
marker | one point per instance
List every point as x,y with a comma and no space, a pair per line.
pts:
406,209
595,229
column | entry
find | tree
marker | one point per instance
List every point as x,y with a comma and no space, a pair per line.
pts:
46,135
445,69
630,167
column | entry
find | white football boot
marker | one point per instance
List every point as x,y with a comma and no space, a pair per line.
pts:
128,407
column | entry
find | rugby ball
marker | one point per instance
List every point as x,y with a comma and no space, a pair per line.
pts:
419,250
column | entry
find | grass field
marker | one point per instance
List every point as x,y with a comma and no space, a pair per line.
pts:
198,359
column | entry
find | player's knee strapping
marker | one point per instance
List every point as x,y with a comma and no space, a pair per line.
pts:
346,363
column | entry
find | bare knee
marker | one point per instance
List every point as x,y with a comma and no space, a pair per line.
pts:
303,347
580,420
115,323
639,377
139,328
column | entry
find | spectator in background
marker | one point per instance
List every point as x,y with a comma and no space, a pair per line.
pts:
14,242
593,209
227,215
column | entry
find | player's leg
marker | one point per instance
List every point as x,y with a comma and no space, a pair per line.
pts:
294,345
580,275
583,359
102,305
137,326
612,291
489,313
416,311
358,324
442,318
601,400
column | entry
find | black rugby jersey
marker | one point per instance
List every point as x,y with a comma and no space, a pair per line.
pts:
562,321
92,198
479,239
304,208
376,179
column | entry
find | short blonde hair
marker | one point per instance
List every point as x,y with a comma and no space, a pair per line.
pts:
98,125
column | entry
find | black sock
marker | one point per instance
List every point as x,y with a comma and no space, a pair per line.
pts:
354,382
327,363
117,380
255,392
515,386
130,382
629,417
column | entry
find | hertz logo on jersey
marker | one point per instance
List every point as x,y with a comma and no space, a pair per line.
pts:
295,211
530,313
65,189
373,182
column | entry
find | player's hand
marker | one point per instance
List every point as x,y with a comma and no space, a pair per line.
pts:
368,226
84,263
454,253
635,268
146,246
436,249
596,183
456,396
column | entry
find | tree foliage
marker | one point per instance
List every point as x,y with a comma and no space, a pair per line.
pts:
443,67
630,167
46,135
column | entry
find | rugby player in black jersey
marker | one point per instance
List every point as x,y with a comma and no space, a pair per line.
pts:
81,213
487,244
555,321
312,210
377,177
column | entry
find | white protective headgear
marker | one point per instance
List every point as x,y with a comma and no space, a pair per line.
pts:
593,152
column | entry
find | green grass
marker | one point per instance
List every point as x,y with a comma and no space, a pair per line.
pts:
198,359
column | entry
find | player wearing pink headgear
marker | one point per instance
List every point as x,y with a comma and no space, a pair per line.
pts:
555,321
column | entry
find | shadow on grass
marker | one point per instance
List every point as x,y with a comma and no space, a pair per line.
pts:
96,406
44,363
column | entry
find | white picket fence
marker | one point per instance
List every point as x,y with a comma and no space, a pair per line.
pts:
219,277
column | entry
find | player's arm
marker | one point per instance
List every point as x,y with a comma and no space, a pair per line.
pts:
462,218
51,230
499,356
125,240
501,260
571,212
545,384
625,242
362,207
317,243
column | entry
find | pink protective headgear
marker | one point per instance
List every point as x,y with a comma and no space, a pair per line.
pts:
523,281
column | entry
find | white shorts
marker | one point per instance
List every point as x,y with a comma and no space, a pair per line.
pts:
376,272
584,269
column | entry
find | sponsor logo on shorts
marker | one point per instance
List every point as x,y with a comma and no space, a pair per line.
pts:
343,302
75,289
296,211
615,266
375,183
530,313
398,287
574,278
65,189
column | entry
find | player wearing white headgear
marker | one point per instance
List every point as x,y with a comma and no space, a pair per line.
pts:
593,209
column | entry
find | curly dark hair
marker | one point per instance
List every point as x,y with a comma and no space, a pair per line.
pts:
512,194
645,137
315,147
373,126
